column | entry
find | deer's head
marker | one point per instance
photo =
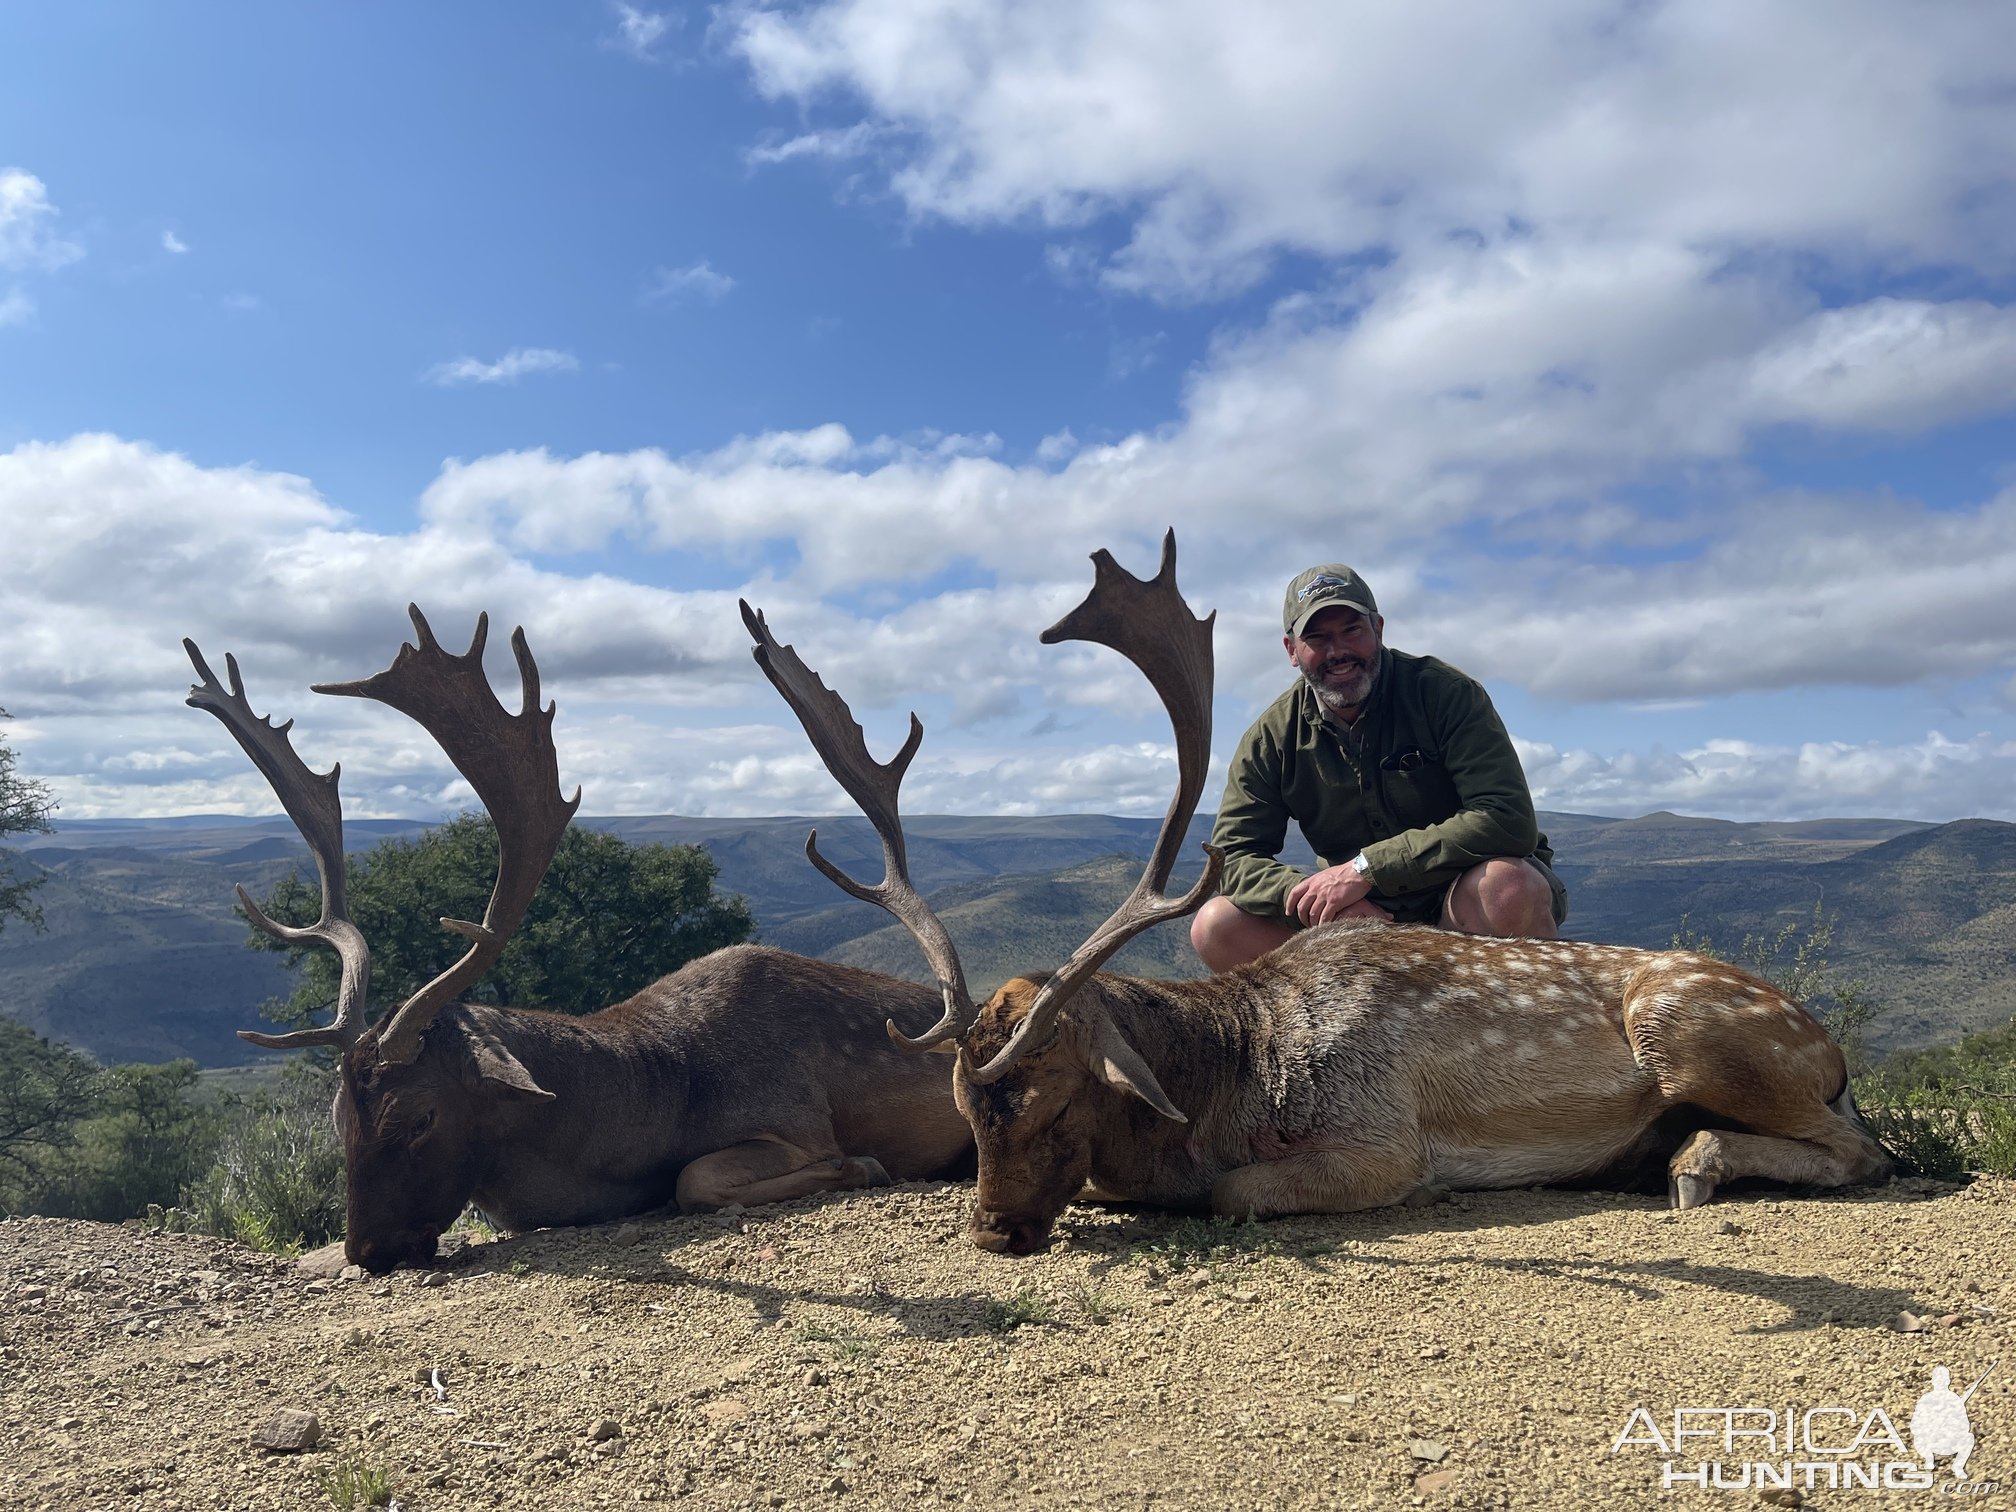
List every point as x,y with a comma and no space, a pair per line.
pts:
1030,1076
417,1084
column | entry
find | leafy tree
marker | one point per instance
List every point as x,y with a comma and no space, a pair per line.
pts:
25,806
45,1090
610,918
146,1138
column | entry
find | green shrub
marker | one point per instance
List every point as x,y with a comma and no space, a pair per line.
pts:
351,1485
278,1179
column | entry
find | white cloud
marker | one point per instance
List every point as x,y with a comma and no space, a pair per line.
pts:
663,711
848,142
170,242
509,368
695,281
638,32
1933,777
16,308
29,240
1226,135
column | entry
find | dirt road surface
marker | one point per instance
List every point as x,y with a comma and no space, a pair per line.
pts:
856,1352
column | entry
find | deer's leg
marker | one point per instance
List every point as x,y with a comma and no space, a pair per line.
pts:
763,1170
1316,1181
1743,1052
1713,1156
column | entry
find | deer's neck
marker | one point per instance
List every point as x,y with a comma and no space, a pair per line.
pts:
1208,1044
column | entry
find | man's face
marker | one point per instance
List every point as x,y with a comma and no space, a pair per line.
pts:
1337,653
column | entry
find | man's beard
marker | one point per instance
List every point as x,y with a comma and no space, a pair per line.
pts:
1348,695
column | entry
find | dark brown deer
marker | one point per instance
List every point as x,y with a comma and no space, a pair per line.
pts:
749,1076
1359,1062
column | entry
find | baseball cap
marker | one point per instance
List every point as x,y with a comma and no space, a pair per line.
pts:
1330,586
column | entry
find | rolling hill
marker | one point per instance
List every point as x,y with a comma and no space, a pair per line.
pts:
143,958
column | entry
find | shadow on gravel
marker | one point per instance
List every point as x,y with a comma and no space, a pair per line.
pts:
637,1260
1331,1245
641,1262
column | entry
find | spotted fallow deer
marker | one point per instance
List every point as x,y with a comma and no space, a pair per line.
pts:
748,1076
1356,1064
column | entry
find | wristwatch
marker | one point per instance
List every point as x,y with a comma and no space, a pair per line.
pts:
1360,865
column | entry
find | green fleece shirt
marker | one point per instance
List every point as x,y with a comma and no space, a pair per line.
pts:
1426,786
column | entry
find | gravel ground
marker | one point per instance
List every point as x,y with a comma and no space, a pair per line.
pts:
857,1351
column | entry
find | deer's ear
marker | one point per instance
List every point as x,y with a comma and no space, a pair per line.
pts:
1119,1065
500,1073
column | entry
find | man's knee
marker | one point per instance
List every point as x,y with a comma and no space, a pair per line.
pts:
1224,935
1504,896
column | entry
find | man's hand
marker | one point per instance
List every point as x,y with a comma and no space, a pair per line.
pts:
1336,892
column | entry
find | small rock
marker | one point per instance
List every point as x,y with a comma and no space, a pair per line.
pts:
627,1235
836,1485
1951,1320
1782,1496
1910,1322
725,1410
288,1431
813,1377
69,1424
1434,1352
735,1372
1430,1481
32,1293
1428,1450
609,1449
1245,1296
1728,1226
604,1430
351,1273
318,1288
1973,1287
433,1278
326,1262
807,1431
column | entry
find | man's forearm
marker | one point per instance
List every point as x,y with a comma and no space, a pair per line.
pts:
1259,884
1438,853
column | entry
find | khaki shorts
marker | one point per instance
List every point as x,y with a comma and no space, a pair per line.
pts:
1431,905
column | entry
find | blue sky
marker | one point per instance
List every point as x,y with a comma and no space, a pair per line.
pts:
1654,362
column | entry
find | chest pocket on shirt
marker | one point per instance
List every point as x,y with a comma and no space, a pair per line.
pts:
1418,787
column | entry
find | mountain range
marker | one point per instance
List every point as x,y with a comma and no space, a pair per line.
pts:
144,959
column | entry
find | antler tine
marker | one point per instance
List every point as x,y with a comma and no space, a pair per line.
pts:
510,761
311,801
873,785
1149,624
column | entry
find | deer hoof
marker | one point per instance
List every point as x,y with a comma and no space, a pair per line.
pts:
867,1171
1690,1191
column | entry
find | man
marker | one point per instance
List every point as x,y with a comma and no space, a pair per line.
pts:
1402,779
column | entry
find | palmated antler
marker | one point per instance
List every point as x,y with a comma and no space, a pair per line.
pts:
311,801
1149,624
510,761
873,785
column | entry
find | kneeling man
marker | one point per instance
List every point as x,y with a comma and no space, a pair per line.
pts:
1403,780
